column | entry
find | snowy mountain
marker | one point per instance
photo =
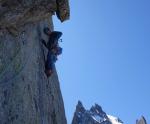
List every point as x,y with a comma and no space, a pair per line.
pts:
114,120
93,116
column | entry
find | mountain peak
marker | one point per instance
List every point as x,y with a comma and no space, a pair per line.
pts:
96,109
80,103
93,116
142,120
80,107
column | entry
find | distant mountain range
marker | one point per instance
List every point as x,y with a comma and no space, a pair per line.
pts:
97,116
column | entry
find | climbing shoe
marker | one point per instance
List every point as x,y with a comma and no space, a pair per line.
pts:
48,73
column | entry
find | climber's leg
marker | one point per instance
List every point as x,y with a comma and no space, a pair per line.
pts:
49,65
54,58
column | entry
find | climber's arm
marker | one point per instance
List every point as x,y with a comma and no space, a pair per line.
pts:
43,41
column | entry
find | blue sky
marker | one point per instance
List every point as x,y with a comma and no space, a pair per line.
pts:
106,57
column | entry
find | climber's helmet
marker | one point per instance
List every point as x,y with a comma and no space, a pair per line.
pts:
47,31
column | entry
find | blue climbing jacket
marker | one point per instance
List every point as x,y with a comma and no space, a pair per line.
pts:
52,44
51,59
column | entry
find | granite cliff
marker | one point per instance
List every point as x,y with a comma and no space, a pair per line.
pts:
27,96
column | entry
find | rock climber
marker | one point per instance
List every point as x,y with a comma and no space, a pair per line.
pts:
53,49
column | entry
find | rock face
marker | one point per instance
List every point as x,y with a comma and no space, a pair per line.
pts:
19,12
27,96
93,116
141,121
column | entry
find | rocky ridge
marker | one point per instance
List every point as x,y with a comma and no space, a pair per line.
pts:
97,116
93,116
142,120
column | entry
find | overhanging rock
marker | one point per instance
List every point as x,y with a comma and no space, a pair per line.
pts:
19,12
